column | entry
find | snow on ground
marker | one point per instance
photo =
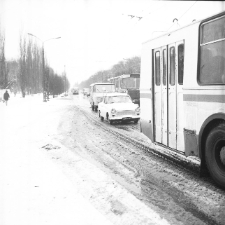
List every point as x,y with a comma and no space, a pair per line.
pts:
33,189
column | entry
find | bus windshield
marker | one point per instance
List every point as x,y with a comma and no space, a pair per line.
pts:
130,82
104,88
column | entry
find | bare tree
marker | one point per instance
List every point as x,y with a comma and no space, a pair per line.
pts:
3,74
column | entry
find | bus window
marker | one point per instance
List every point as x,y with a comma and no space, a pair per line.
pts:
212,52
117,83
164,67
157,68
180,63
172,66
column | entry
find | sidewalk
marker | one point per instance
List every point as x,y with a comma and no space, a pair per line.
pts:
32,189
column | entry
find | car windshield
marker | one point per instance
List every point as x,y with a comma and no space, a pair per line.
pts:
104,88
120,99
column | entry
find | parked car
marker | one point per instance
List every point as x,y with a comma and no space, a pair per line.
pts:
97,91
118,107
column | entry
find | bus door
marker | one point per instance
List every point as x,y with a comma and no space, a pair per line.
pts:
180,113
175,95
172,98
157,95
164,96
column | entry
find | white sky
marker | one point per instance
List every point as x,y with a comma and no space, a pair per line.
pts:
95,34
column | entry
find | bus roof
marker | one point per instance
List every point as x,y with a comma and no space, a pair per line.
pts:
101,84
194,22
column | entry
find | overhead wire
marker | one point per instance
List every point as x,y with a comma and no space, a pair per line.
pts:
183,14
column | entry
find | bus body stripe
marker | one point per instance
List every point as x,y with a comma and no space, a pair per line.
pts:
204,98
145,95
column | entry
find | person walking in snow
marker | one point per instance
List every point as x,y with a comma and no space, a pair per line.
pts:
6,96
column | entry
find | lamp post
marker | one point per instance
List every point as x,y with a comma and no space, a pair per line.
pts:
45,81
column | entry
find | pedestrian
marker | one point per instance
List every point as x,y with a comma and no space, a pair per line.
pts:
6,97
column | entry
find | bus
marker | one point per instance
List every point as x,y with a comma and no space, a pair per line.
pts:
129,83
182,93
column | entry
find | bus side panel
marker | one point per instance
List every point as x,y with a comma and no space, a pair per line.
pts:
146,120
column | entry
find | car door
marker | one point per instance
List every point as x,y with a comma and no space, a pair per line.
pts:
101,107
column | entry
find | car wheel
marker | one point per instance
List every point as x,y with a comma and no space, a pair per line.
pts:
215,154
107,117
136,121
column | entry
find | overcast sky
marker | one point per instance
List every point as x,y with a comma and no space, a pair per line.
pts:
95,34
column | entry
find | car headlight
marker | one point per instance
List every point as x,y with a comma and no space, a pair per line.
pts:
137,110
113,111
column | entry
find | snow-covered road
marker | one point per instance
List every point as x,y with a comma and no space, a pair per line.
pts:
35,190
32,189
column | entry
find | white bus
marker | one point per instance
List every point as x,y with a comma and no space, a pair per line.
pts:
182,92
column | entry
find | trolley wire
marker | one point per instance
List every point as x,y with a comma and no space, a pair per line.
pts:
183,14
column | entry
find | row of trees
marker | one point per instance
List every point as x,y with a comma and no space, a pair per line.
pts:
25,75
131,65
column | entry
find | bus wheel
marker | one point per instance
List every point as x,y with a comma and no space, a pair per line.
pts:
215,154
92,107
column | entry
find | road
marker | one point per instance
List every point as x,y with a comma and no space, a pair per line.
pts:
176,194
125,183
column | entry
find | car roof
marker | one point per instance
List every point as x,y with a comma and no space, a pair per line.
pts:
115,94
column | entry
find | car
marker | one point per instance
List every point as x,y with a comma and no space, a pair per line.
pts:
118,107
97,91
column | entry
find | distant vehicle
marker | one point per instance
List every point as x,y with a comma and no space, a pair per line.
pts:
129,83
75,90
97,90
183,92
118,107
86,91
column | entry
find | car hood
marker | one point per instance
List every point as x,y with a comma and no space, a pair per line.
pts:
124,106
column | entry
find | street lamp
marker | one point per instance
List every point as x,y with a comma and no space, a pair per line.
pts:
45,81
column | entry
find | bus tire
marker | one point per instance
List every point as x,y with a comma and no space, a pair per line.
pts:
92,107
215,154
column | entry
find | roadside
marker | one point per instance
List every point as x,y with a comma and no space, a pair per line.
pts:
34,190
